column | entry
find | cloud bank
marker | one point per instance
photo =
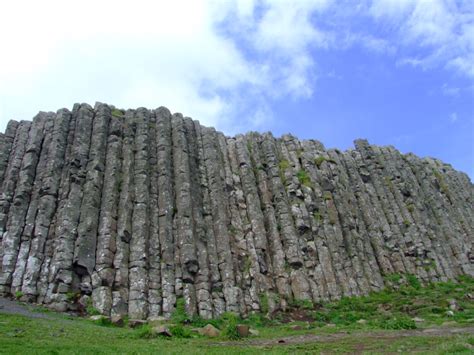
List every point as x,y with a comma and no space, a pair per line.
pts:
224,63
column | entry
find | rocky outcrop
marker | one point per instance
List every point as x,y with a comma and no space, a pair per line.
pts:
128,211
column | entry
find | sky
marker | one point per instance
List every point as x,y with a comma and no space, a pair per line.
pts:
397,72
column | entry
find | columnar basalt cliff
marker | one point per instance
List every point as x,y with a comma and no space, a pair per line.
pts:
133,209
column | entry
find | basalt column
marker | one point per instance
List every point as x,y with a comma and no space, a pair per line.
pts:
132,211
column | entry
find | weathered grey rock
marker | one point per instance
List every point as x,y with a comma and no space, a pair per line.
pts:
162,330
135,323
209,331
117,320
135,212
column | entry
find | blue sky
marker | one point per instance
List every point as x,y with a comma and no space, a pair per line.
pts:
397,72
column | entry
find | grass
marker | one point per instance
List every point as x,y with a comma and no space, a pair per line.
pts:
384,312
20,335
283,165
90,309
319,160
117,113
304,178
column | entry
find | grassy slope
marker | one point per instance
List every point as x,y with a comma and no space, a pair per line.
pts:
387,311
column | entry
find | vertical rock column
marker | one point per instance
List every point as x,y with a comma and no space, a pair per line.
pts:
87,230
138,261
61,269
20,201
166,209
6,144
104,272
209,297
10,180
47,202
296,180
213,163
120,293
185,239
43,285
154,271
193,292
27,233
257,258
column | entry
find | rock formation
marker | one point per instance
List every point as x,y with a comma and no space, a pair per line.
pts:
126,211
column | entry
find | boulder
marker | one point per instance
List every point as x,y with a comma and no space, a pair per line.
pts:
135,323
161,330
243,330
209,331
117,320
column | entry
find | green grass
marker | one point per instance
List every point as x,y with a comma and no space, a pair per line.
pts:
117,113
319,160
284,164
384,312
20,335
304,178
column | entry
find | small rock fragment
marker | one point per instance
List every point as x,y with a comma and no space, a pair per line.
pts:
135,323
117,320
254,332
161,330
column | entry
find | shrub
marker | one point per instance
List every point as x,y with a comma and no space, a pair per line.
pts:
263,302
413,281
117,113
393,278
90,309
283,165
319,160
303,177
302,304
144,332
327,196
317,217
397,323
179,331
104,321
18,295
179,315
230,326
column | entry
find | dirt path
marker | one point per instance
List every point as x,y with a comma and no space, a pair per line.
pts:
9,306
311,338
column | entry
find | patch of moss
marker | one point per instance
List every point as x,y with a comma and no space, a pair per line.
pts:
327,196
319,160
304,178
117,113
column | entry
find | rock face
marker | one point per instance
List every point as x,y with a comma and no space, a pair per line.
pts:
130,210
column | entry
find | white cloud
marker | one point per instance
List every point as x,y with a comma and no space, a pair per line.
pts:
443,28
149,53
281,36
449,90
453,117
222,62
130,54
369,42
